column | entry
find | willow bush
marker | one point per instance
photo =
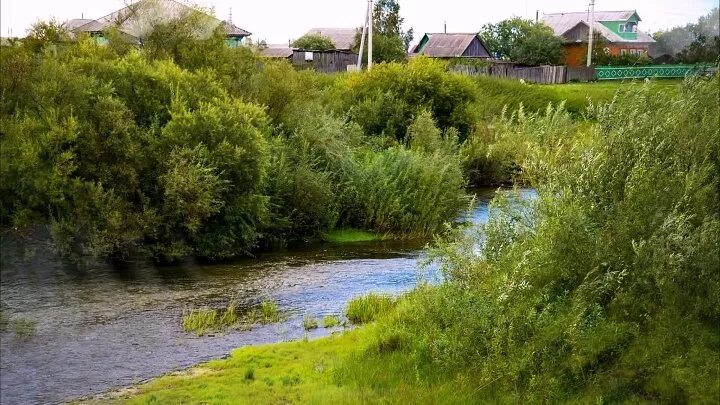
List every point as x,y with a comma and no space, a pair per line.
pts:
605,288
207,151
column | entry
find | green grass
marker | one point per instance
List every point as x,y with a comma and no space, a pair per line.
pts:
369,308
350,236
495,93
336,369
331,321
206,320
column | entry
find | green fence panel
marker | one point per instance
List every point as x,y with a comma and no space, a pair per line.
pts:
641,72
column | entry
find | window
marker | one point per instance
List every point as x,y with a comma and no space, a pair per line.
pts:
629,26
606,50
623,52
308,56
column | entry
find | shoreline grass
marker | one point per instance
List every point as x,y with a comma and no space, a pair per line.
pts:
351,236
323,370
211,320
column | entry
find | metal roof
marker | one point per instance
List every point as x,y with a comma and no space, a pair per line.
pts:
279,52
72,25
441,45
342,38
561,23
136,18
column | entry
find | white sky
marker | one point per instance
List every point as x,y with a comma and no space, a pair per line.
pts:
277,21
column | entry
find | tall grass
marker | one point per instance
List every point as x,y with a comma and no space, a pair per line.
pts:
206,320
368,308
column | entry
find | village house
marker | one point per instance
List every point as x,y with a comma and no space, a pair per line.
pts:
455,45
136,20
617,31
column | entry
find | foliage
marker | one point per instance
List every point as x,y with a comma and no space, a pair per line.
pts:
385,100
315,42
693,43
213,152
523,41
538,46
602,288
45,33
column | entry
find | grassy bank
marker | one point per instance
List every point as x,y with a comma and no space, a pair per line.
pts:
338,369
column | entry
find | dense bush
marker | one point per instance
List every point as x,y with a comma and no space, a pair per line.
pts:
122,151
385,100
604,288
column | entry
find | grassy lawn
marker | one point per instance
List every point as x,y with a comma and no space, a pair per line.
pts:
343,368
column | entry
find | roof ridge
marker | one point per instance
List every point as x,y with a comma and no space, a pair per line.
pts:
596,11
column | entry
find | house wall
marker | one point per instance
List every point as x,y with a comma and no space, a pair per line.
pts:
614,26
476,49
576,54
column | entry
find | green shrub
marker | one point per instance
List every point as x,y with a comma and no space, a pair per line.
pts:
385,100
369,308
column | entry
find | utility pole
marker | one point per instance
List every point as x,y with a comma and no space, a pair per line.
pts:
367,30
591,33
370,34
362,42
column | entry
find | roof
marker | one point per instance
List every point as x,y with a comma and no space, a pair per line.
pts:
561,23
342,38
442,45
277,52
72,25
234,31
610,36
128,22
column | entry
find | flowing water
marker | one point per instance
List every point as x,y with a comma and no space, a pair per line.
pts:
68,333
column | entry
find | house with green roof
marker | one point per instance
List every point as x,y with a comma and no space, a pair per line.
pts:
617,31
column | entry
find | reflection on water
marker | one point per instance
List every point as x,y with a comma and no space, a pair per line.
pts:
103,327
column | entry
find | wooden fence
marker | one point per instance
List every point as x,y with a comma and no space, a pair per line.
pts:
538,74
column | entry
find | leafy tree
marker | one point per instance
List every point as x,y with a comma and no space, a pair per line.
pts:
390,42
540,46
698,42
523,41
44,33
502,37
315,42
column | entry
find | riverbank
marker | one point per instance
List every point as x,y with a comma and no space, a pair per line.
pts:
332,369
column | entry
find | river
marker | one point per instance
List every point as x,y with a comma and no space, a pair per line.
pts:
105,327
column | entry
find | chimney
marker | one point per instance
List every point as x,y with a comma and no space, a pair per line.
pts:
537,16
445,24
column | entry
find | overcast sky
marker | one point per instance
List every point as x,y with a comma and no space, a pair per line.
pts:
277,21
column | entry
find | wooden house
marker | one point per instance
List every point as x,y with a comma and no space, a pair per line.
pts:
136,20
616,30
455,45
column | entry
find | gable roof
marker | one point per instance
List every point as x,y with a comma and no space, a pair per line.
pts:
342,38
128,22
610,36
562,23
277,52
444,45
